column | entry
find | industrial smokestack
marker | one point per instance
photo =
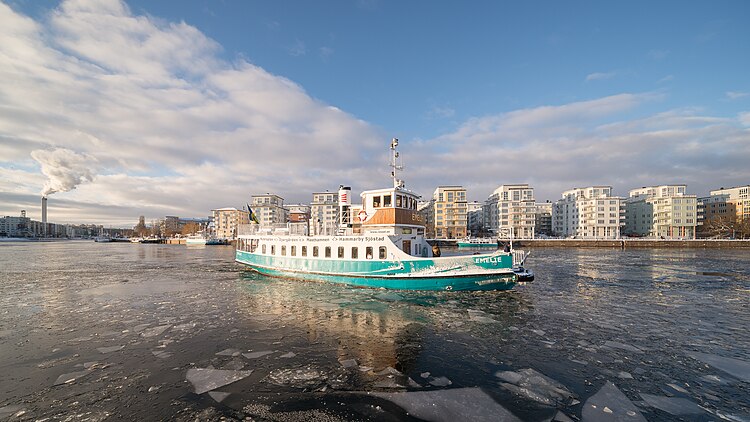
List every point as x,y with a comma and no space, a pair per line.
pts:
44,214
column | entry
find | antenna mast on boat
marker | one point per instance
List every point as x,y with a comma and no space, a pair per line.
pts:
394,165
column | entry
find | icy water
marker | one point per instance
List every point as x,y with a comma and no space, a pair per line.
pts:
166,332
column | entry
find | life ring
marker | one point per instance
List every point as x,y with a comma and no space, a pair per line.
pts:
362,215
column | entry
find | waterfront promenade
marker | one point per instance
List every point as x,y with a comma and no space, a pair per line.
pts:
619,243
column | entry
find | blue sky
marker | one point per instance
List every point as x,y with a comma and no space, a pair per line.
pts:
308,94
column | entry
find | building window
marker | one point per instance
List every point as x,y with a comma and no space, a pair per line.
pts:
368,252
315,251
355,252
382,252
328,251
341,252
304,251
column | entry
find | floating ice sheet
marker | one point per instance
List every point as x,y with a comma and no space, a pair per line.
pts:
229,352
255,355
205,379
156,331
622,346
535,386
218,395
735,367
308,377
71,377
610,404
457,404
288,355
673,405
109,349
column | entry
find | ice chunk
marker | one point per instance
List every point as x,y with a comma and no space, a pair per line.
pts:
71,377
205,379
561,417
623,346
678,388
625,375
539,332
441,382
349,363
535,386
308,377
389,370
288,355
450,405
156,331
161,354
735,367
255,355
229,352
218,396
611,398
480,316
673,405
109,349
9,410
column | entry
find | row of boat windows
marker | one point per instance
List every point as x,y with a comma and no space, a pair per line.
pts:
252,246
401,202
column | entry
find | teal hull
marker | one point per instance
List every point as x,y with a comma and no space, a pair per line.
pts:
476,245
381,274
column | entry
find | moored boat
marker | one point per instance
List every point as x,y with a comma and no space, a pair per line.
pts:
381,246
477,242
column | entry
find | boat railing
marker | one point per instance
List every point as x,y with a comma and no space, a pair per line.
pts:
519,257
284,229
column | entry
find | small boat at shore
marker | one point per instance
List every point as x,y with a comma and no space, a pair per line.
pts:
381,246
477,242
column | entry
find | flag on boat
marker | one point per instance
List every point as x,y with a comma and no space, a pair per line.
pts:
253,217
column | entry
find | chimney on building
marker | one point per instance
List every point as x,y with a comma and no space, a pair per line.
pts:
44,214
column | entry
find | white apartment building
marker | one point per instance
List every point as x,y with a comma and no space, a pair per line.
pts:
661,211
324,213
269,209
450,212
227,220
588,213
732,203
511,208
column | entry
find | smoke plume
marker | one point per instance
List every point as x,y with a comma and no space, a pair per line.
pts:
64,169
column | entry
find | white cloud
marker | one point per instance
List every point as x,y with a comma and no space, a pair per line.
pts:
171,126
733,95
744,118
597,76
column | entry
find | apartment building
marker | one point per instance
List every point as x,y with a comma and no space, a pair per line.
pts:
511,209
227,220
543,218
449,212
732,202
324,213
665,211
474,218
426,210
588,213
269,209
298,213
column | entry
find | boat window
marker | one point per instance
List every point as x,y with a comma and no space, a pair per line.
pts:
328,251
416,250
387,200
304,251
253,245
382,252
355,252
315,251
368,252
376,201
273,249
264,249
341,251
398,201
294,251
283,250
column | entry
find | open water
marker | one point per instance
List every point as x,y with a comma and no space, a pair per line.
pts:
167,332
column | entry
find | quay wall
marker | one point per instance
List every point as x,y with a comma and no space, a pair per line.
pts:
620,243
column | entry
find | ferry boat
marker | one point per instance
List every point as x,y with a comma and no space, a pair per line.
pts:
477,242
380,245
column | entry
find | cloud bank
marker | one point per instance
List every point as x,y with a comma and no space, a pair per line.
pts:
143,116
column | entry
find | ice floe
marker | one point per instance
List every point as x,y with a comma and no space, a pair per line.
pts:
535,386
737,368
450,405
610,404
71,377
677,406
206,379
156,331
109,349
255,355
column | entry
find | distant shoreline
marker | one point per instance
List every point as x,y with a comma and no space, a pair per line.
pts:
619,243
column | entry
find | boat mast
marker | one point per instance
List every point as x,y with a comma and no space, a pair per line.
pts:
394,165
